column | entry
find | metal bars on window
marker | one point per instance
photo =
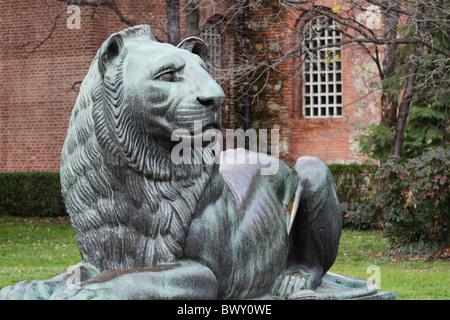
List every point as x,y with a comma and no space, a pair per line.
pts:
211,36
322,69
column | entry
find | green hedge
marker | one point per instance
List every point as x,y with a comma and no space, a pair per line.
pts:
409,200
353,181
354,186
39,193
36,194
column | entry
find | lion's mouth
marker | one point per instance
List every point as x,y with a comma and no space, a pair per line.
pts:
199,134
208,133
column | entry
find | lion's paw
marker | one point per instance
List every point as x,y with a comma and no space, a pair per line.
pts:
86,292
297,284
26,290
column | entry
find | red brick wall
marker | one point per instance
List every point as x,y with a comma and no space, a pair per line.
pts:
331,139
37,95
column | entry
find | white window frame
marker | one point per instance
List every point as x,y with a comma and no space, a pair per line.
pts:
213,39
322,69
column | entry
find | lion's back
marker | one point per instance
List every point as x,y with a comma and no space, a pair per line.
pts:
244,171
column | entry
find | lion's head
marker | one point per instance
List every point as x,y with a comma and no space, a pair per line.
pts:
119,183
163,89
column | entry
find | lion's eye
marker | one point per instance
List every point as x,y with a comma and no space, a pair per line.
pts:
167,76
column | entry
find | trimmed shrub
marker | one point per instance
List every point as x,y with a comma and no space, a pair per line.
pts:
360,216
411,199
36,194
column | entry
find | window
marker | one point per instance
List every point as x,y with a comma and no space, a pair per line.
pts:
322,69
212,38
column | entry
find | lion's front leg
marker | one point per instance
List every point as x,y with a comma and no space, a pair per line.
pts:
44,289
179,280
315,227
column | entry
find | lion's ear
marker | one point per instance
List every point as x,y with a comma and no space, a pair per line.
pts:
110,53
194,45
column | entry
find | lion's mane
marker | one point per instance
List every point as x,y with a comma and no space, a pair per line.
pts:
129,205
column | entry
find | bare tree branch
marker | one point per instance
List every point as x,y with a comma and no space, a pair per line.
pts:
40,42
93,4
364,33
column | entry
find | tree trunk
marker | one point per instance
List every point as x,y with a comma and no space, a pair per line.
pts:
173,21
390,65
192,18
403,113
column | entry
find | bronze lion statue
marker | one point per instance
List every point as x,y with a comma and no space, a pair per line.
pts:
150,229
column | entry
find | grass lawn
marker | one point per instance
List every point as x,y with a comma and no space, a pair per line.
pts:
32,248
412,277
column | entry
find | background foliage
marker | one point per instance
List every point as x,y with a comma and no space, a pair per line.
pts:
38,194
353,181
411,199
428,119
35,194
407,200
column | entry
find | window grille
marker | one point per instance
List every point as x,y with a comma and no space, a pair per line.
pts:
212,38
322,69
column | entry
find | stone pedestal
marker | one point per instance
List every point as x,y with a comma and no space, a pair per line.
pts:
338,287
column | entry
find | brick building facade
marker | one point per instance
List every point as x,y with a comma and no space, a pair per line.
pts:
39,80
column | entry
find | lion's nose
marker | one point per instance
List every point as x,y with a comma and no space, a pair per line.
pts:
211,102
213,99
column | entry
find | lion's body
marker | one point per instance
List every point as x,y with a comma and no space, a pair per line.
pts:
243,236
129,205
153,229
127,219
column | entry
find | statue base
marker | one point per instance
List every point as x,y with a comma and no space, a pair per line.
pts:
338,287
